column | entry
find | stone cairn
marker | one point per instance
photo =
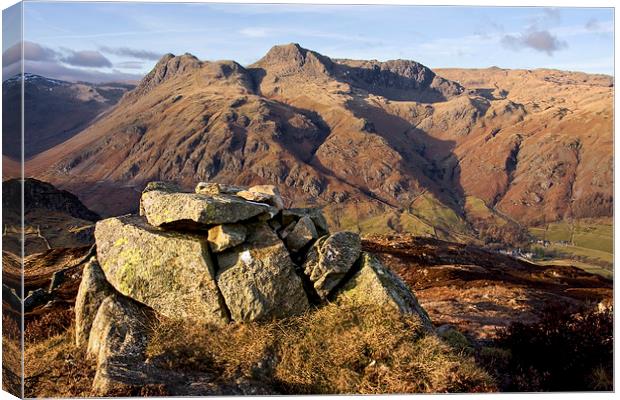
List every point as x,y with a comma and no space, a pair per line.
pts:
222,254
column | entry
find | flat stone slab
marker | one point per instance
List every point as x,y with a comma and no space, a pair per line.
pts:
192,210
258,279
171,272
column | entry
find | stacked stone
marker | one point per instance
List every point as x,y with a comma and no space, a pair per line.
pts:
221,254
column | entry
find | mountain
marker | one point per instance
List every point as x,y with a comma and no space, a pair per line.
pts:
54,110
392,144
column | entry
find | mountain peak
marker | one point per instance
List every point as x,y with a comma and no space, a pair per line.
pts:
167,66
291,58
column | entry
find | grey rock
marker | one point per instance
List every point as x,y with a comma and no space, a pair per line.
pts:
375,284
330,259
58,277
171,272
258,279
159,186
196,211
10,296
119,336
315,214
303,233
94,288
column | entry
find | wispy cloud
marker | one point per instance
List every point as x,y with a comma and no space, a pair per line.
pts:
130,64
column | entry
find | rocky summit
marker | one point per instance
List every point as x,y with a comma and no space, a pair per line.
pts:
217,255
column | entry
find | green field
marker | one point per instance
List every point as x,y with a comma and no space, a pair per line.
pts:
593,269
588,242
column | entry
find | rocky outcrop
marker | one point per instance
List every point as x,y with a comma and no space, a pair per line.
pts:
39,195
375,284
213,257
330,259
216,256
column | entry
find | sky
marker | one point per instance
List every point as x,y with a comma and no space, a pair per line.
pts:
123,41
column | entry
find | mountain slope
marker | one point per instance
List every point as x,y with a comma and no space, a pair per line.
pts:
52,218
54,110
390,143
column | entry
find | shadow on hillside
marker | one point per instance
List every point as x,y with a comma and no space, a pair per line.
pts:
430,160
391,85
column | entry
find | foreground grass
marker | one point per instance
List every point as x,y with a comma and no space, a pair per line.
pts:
55,367
336,349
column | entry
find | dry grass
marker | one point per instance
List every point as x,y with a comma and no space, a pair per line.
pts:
48,324
336,349
55,367
229,351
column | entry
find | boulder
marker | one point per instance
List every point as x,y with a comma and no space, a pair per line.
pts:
196,211
263,194
119,337
171,272
330,259
94,288
36,298
222,237
303,233
212,188
375,284
315,214
258,279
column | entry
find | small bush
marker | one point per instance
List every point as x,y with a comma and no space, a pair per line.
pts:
335,349
564,351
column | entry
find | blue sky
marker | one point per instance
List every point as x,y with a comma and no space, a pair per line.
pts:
106,41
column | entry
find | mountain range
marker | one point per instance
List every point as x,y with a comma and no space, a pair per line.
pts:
54,111
394,144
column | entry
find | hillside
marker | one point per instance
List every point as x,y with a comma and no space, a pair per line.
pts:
54,111
384,146
224,291
53,218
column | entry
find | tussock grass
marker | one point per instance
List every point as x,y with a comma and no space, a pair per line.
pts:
346,348
55,367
